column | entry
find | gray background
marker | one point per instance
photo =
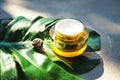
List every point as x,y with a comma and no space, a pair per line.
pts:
100,15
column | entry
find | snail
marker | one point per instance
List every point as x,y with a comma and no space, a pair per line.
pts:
38,43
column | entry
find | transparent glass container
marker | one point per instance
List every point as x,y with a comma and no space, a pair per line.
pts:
69,38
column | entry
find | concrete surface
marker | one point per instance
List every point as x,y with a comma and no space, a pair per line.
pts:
101,15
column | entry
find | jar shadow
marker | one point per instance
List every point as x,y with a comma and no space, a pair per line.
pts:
97,71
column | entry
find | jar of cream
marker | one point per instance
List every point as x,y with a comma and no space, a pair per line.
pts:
69,38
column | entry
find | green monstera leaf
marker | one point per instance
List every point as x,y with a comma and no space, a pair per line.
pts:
8,68
20,60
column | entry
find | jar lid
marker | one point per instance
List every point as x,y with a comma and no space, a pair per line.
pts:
69,27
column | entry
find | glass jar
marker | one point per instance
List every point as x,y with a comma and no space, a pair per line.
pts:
69,38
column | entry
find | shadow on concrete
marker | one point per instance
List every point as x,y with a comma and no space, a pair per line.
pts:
96,72
3,14
78,8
